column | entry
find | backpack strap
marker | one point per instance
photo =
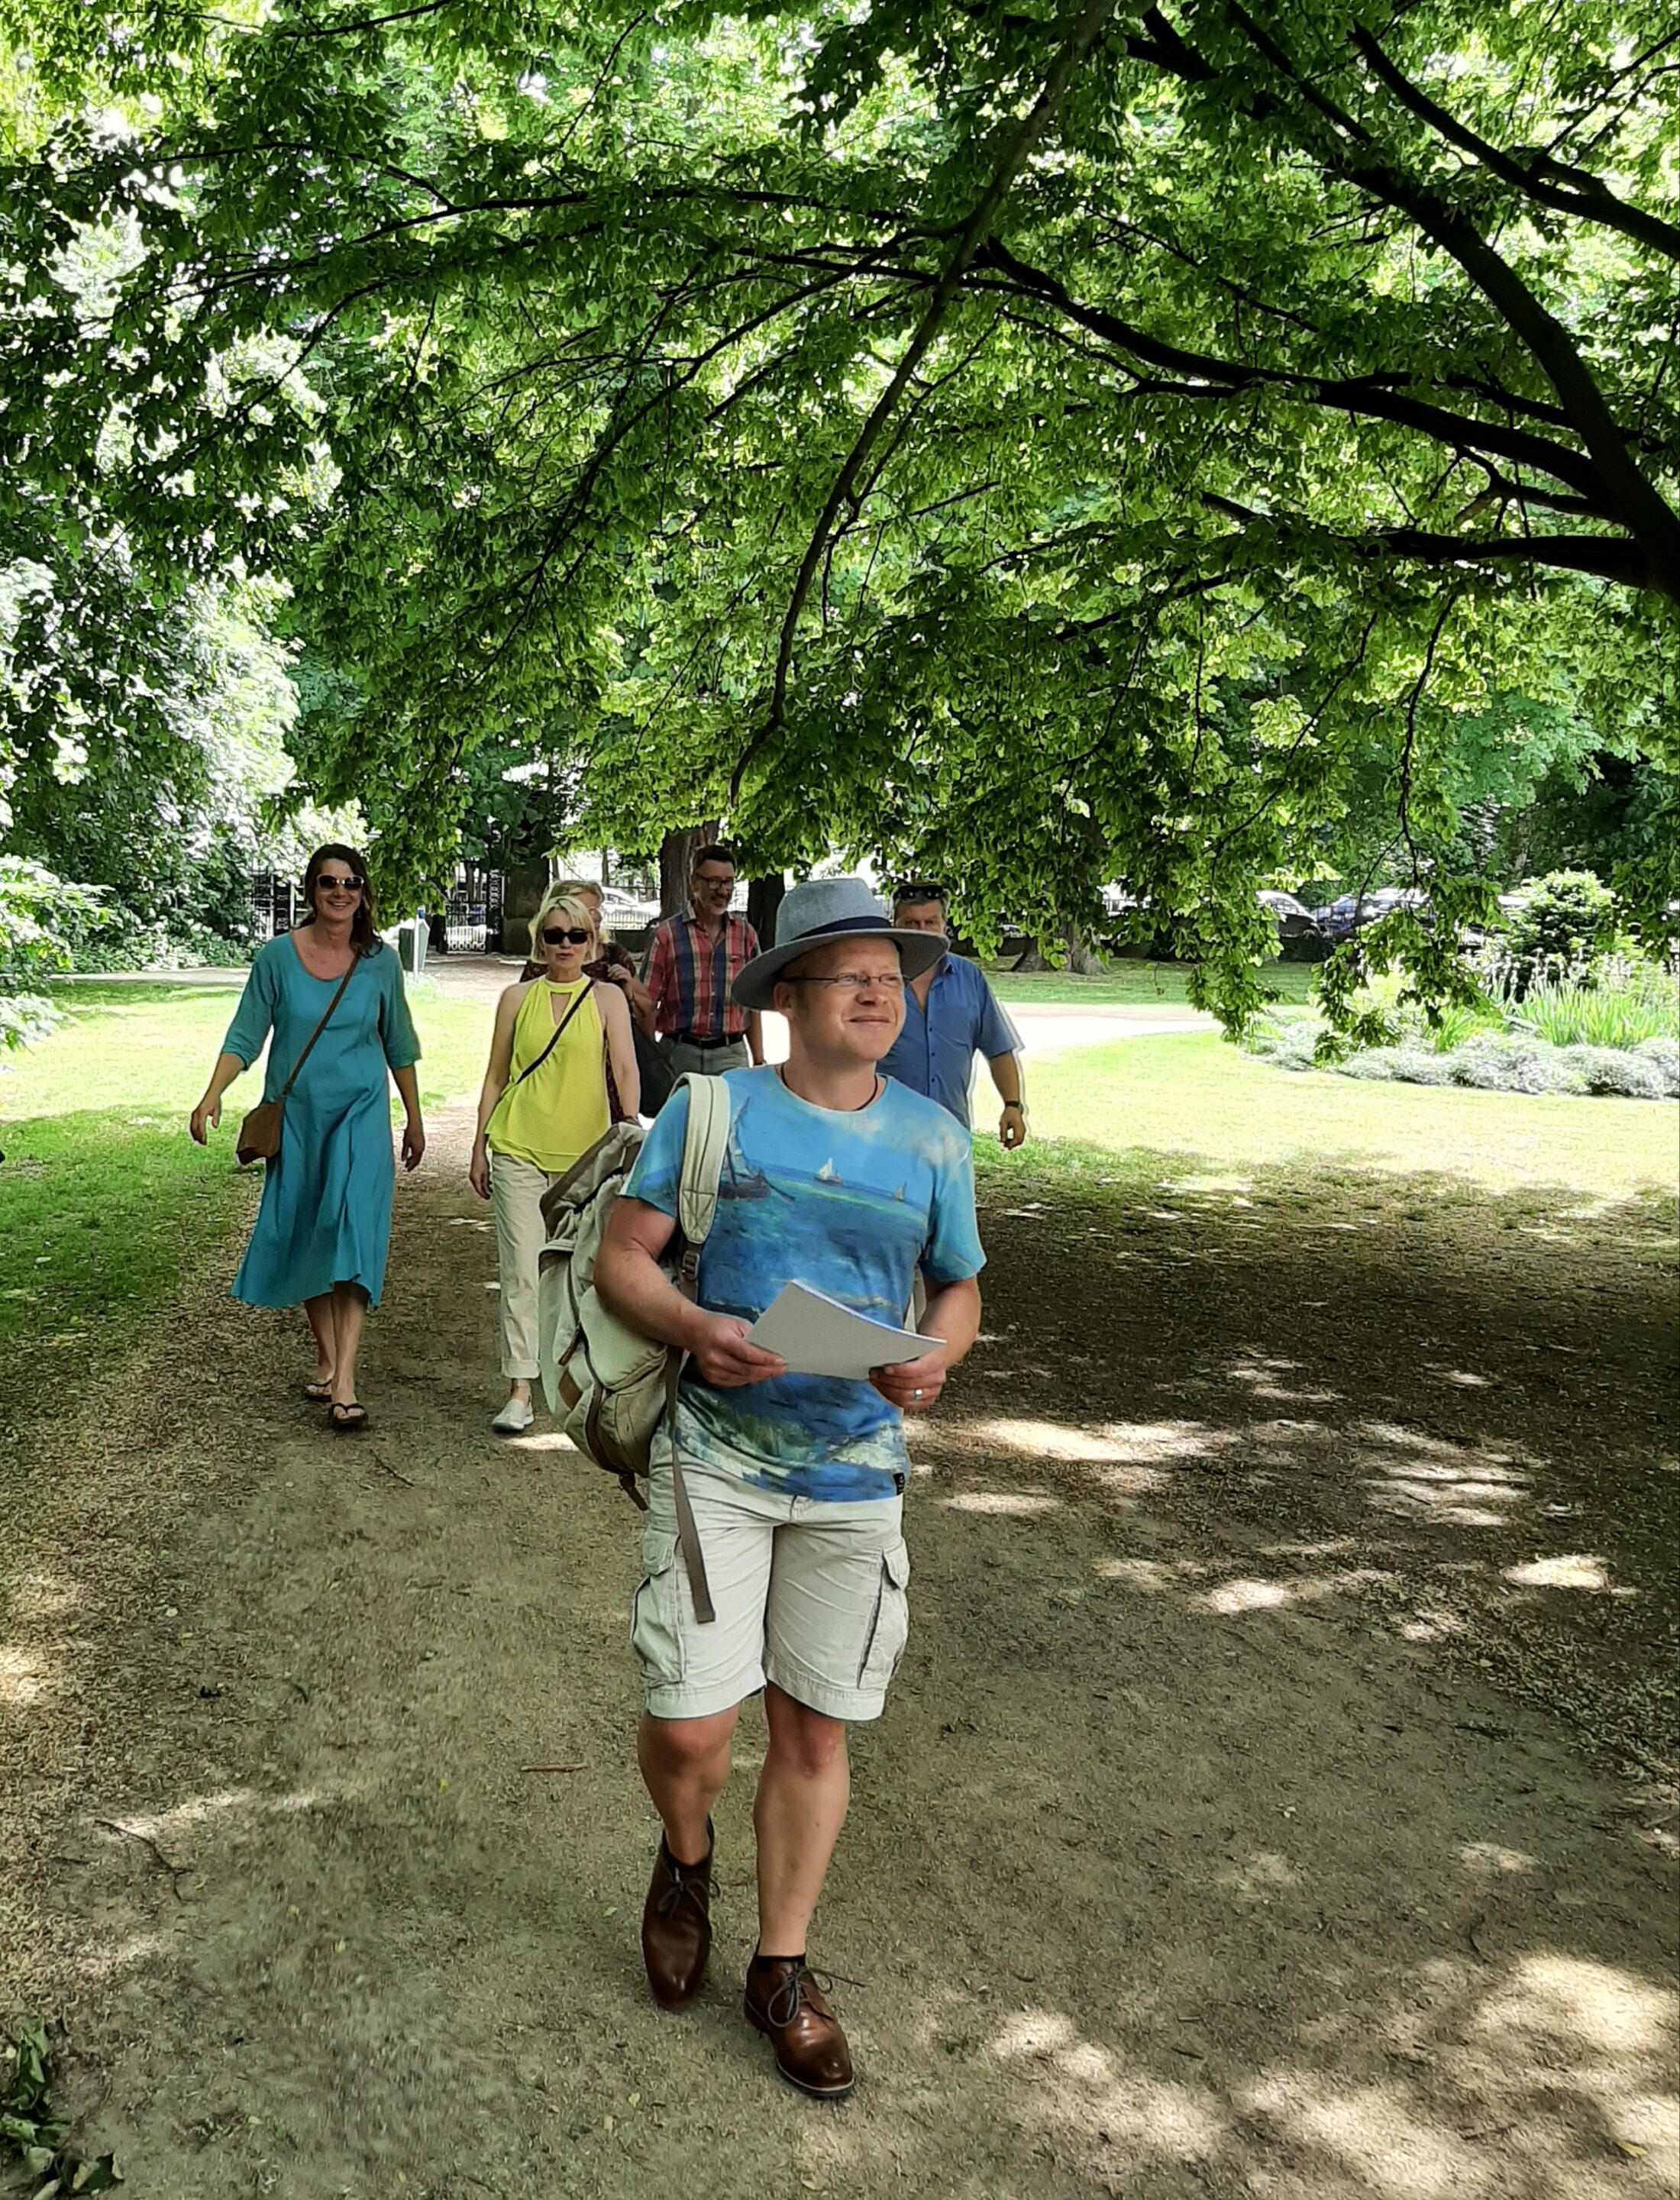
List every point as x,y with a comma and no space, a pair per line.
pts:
704,1136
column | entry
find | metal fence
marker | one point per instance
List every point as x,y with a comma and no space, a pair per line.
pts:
276,905
469,923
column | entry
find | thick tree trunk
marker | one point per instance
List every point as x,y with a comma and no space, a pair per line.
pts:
763,899
1081,959
676,860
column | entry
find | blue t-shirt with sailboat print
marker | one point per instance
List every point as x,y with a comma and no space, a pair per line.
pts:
849,1203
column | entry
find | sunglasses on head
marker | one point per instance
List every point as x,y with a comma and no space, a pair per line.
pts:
339,885
560,935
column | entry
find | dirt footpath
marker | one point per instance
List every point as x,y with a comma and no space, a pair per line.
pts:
1196,1854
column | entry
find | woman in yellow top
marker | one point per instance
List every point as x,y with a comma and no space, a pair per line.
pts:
543,1104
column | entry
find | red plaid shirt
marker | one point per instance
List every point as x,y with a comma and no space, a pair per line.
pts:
689,976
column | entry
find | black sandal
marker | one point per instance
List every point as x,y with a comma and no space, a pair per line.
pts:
346,1420
319,1394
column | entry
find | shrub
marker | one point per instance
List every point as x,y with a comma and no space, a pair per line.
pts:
1568,916
1288,1041
1418,1065
1492,1064
1374,1065
37,908
1663,1055
1616,1070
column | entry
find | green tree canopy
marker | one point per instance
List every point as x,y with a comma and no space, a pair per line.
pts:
1040,444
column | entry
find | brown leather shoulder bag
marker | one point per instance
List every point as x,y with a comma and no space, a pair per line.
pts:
260,1133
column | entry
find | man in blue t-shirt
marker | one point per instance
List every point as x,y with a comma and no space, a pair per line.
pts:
951,1015
837,1178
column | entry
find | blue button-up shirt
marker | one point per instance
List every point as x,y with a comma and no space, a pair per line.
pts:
934,1053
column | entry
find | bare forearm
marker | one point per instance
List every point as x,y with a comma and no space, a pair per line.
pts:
228,1067
1005,1070
490,1093
633,1285
408,1084
953,1314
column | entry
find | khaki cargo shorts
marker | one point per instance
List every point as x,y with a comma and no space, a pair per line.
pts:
810,1595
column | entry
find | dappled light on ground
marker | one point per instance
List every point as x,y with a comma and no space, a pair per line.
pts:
1239,1596
1074,2082
25,1675
1232,1829
1574,1569
1017,1504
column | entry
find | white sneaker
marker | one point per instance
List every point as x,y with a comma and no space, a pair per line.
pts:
514,1419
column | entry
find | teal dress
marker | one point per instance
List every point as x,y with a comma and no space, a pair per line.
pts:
325,1216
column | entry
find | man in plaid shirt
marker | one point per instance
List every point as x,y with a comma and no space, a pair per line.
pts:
691,968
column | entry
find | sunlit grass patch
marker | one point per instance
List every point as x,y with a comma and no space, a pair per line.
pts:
1116,1117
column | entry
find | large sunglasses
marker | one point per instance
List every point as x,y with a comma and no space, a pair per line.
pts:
330,885
559,935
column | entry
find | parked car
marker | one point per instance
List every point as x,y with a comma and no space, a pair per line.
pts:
1292,918
623,912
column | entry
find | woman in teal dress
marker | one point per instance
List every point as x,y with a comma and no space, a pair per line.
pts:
325,1222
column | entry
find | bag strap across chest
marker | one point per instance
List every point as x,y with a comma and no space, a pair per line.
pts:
308,1043
531,1068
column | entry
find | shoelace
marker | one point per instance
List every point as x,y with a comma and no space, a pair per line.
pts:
791,1989
689,1883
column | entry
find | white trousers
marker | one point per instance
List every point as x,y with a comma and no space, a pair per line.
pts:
516,1195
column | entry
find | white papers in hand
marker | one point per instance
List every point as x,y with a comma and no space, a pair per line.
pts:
815,1335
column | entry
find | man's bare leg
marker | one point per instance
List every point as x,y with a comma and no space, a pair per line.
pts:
684,1764
801,1808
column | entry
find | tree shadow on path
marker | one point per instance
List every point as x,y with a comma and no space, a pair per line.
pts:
1177,1866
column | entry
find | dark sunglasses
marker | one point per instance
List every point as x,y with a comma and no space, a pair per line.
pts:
339,885
555,935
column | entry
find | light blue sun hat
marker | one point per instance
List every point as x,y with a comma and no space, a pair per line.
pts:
816,911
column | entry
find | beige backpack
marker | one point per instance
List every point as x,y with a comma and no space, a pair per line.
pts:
609,1387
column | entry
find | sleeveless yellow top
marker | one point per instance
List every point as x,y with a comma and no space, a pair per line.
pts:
558,1113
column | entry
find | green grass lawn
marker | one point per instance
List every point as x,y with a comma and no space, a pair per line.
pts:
1195,1097
1130,985
103,1198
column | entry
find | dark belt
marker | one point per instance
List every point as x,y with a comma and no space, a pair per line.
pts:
693,1039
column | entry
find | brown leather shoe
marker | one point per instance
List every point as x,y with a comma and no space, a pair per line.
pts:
677,1926
782,2002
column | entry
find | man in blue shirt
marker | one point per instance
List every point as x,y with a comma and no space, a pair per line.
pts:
840,1178
950,1014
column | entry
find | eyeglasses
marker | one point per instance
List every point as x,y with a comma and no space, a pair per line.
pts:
558,935
339,885
854,980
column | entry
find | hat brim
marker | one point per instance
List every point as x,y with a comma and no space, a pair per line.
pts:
755,982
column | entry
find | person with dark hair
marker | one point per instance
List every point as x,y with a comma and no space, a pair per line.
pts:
330,992
951,1015
692,966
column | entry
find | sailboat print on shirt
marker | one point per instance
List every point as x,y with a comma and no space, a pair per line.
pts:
827,1174
738,1183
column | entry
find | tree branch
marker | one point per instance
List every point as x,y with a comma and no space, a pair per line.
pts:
1087,31
1367,396
1587,200
1632,500
1609,557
